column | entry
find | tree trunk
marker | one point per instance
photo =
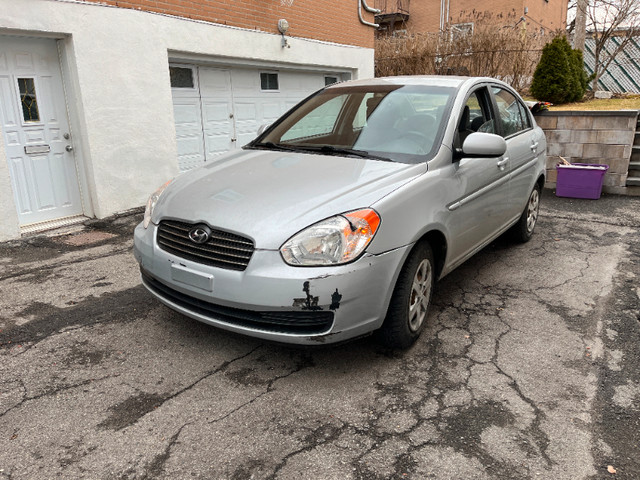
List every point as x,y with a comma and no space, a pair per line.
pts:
581,24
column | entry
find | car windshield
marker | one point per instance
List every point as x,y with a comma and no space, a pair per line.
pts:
389,122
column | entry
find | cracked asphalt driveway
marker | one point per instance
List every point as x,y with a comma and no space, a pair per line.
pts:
529,369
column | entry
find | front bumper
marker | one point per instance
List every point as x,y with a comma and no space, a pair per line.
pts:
270,299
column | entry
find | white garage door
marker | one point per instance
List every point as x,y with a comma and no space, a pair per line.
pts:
218,109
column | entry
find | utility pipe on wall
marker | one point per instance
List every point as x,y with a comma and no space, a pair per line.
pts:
368,9
444,13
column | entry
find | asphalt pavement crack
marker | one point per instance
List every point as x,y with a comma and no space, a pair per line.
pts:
155,468
131,410
54,391
320,436
540,437
268,389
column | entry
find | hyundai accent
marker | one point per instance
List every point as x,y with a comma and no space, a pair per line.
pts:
336,221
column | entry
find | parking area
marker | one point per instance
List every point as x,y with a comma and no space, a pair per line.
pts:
529,368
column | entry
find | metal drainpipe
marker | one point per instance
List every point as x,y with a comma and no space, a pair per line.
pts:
446,20
368,9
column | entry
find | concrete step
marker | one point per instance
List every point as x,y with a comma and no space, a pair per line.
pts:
634,165
633,182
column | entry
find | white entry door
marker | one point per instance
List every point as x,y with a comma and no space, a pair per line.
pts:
36,131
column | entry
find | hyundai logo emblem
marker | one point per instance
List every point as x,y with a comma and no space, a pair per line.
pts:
200,234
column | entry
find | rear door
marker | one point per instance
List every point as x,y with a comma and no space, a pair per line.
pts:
515,125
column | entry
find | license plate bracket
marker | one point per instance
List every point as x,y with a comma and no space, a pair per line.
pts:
193,278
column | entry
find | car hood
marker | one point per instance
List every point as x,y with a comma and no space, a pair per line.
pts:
269,196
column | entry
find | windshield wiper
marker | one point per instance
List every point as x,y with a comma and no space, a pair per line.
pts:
326,149
276,146
330,149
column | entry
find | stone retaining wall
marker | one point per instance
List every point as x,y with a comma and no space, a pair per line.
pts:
603,137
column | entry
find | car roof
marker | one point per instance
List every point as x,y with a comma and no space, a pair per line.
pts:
426,80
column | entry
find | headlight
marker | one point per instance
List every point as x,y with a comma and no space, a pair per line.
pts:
333,241
151,204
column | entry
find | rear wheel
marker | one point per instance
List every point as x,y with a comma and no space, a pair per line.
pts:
523,230
411,298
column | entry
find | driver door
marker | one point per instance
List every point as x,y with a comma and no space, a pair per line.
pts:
481,205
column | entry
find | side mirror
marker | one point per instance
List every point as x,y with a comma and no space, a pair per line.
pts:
479,144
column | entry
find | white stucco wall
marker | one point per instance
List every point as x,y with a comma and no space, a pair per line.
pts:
115,65
9,227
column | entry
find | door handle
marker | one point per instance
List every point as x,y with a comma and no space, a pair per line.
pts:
534,146
68,148
502,163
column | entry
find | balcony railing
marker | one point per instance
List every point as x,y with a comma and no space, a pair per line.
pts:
392,11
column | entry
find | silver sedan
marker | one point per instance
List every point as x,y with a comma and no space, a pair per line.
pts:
337,220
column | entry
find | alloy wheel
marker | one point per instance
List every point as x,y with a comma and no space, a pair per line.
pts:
532,210
420,295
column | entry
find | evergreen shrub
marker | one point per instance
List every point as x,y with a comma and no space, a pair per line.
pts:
559,76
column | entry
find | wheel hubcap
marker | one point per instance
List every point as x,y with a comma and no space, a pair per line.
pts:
420,294
532,210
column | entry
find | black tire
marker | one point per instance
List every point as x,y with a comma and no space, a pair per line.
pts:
409,306
523,230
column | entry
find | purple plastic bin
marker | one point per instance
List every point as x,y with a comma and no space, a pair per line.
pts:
580,180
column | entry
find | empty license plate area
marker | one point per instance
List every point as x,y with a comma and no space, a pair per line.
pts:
191,277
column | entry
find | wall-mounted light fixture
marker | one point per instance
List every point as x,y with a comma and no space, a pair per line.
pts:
283,26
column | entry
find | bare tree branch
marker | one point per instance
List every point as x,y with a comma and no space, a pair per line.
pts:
612,24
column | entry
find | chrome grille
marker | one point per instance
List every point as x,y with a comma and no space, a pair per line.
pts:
223,249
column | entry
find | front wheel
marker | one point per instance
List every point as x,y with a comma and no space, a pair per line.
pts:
523,230
409,305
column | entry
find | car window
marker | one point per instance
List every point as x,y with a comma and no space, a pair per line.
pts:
402,123
475,117
509,112
526,118
319,121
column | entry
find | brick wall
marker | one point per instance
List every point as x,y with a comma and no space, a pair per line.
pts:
551,15
330,20
591,137
424,15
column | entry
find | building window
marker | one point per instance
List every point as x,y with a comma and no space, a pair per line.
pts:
181,77
28,100
269,81
461,30
330,80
